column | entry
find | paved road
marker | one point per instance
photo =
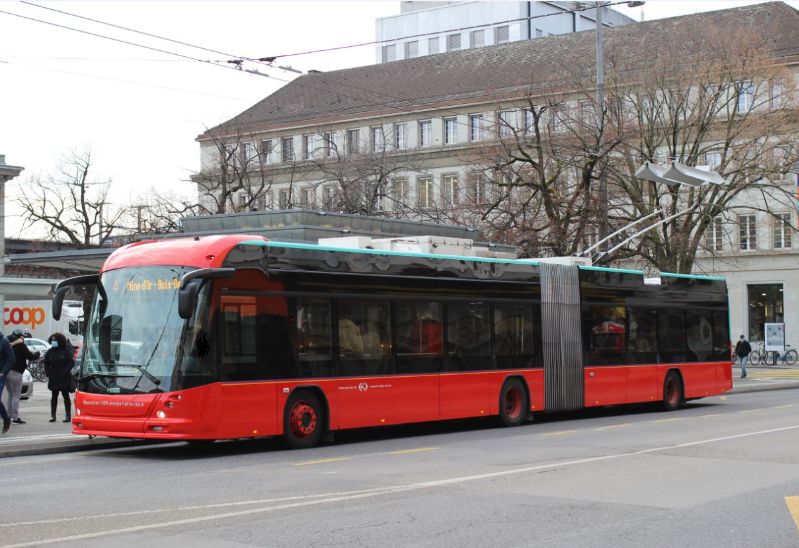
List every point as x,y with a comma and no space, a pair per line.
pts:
714,474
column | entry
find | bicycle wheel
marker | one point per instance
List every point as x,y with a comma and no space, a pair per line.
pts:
754,357
791,356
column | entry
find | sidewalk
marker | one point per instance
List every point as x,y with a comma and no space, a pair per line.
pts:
41,437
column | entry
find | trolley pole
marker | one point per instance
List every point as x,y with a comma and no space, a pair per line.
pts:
600,97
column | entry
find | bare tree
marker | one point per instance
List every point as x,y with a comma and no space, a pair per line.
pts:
71,205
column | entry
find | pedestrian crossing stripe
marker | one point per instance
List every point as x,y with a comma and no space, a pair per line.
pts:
793,508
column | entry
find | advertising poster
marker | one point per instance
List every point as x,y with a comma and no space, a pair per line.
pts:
775,337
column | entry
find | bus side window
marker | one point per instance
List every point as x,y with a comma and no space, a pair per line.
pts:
418,337
642,339
514,333
240,339
721,336
699,331
468,337
605,334
671,336
314,338
364,337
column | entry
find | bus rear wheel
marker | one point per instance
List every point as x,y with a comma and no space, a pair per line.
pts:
513,403
303,420
673,396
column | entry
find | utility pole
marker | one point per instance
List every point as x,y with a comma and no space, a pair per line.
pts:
600,97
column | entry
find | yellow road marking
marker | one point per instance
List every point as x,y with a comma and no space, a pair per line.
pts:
793,508
750,411
783,406
709,415
609,427
794,373
561,433
669,420
722,398
320,461
407,451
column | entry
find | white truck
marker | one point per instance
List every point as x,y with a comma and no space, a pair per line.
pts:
35,317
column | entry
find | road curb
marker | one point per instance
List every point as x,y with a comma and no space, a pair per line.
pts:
765,388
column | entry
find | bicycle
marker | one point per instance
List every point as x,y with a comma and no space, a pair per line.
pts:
788,357
758,356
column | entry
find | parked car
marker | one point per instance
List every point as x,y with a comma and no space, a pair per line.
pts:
37,345
27,385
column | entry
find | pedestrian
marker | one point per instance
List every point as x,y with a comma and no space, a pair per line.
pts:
58,362
14,379
6,363
742,350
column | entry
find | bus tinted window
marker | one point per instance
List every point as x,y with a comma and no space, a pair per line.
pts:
514,335
468,337
721,336
642,341
364,341
239,334
605,330
699,335
419,337
671,336
314,337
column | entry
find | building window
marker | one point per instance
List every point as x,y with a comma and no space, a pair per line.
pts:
478,38
378,140
389,53
308,145
287,149
765,306
746,94
475,127
505,123
307,197
712,159
267,151
327,143
501,34
401,136
453,42
425,133
714,236
247,154
450,190
747,232
776,94
782,231
432,45
411,49
283,198
352,141
426,198
528,122
400,191
327,197
476,188
450,130
243,200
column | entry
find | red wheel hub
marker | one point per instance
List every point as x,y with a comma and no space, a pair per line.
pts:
302,419
513,403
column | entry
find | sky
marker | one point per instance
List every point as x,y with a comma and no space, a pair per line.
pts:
139,110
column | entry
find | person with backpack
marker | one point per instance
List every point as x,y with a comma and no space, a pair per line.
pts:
742,350
6,363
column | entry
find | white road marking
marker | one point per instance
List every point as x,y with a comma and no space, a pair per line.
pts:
314,500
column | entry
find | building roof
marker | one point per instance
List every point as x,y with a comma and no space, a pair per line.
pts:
506,71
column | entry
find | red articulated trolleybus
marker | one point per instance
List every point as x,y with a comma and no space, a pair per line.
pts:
225,337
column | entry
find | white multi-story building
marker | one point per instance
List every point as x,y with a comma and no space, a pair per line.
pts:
427,28
422,124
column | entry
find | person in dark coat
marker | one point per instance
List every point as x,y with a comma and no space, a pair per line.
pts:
6,363
22,355
58,362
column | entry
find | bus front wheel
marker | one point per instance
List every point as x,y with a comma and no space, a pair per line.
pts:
673,396
513,403
303,420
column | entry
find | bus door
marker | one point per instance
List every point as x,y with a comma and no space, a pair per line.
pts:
247,405
369,391
465,382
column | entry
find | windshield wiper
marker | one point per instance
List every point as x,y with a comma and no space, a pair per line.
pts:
91,376
143,368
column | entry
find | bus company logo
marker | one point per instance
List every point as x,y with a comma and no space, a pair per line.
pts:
363,387
24,316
